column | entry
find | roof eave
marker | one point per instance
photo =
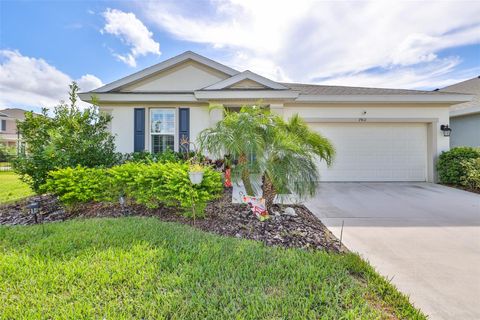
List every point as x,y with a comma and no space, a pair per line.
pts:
464,111
137,97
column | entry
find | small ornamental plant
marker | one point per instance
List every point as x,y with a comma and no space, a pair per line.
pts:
195,173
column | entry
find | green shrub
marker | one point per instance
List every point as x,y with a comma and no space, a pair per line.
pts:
78,185
179,188
121,180
449,166
471,177
151,185
6,153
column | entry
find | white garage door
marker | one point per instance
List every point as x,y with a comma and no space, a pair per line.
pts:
376,151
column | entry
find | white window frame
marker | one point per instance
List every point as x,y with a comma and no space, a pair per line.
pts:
150,133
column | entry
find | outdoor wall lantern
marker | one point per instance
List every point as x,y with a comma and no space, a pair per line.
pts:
446,130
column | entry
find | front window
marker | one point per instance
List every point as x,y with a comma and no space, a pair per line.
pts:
162,129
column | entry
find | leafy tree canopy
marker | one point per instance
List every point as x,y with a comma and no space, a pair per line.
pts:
69,138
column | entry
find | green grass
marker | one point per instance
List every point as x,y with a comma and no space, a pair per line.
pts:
143,268
12,188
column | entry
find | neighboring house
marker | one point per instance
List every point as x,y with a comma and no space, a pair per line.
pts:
8,126
465,117
379,134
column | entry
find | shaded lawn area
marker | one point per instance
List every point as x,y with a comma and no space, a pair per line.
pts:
143,268
12,188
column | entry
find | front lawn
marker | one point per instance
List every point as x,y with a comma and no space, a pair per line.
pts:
12,188
147,269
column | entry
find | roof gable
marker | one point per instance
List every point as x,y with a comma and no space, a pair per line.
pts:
164,66
246,80
186,76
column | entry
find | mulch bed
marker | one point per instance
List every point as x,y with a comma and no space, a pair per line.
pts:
462,188
222,217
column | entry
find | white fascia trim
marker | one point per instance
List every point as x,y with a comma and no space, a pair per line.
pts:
138,97
246,94
244,76
165,65
420,98
465,111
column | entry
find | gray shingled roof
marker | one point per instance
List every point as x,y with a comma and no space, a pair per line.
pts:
471,86
313,89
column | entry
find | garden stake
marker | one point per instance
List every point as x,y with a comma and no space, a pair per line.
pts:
341,234
265,232
193,203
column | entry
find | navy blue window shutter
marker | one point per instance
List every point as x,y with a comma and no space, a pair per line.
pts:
184,126
139,129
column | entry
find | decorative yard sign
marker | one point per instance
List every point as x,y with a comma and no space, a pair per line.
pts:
257,205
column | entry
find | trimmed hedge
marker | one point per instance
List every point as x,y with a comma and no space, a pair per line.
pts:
151,185
471,179
451,165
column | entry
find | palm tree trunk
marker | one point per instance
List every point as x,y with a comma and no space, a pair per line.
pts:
247,183
268,191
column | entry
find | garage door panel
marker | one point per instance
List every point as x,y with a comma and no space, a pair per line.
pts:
376,151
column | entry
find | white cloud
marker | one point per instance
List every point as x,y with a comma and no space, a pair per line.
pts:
307,40
132,32
28,81
88,82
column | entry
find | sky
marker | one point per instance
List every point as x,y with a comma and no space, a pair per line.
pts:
44,45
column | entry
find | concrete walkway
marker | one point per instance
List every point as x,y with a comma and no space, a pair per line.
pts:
425,237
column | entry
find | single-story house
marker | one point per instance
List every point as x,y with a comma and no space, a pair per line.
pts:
465,117
379,134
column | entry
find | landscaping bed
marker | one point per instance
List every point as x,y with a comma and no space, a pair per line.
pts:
302,230
464,188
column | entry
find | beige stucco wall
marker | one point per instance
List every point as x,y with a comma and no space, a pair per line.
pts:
121,126
11,126
244,84
433,115
188,76
122,121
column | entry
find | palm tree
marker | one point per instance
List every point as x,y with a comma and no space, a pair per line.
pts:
287,152
237,134
289,160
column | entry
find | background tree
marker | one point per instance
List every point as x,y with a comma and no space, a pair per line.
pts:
71,137
6,152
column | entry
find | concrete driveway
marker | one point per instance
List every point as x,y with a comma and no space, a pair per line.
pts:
425,237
